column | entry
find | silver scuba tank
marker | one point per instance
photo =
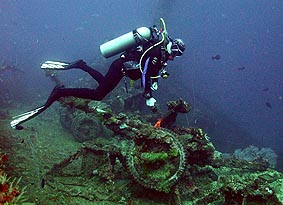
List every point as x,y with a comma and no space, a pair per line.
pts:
125,42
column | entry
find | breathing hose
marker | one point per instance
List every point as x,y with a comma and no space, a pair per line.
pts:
163,33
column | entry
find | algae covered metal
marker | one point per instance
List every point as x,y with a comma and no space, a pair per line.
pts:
176,166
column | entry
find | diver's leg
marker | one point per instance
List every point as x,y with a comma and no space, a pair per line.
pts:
112,78
85,93
83,66
56,94
57,65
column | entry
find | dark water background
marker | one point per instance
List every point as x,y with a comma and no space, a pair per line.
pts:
230,96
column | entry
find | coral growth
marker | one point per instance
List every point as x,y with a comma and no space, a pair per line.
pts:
177,164
254,154
9,190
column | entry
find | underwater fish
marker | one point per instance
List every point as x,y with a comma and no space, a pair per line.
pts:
241,68
265,89
267,104
217,57
19,127
42,183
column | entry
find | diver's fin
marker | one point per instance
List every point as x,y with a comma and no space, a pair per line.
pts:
57,65
17,120
54,65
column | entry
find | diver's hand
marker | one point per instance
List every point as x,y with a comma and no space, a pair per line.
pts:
150,102
154,86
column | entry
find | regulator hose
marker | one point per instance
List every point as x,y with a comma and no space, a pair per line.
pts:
163,33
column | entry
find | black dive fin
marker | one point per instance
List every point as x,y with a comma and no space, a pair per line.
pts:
19,119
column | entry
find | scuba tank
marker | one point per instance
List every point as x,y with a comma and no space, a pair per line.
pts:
137,38
125,42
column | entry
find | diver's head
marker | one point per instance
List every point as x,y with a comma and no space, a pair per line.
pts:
176,48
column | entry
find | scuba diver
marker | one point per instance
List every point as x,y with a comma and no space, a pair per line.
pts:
145,55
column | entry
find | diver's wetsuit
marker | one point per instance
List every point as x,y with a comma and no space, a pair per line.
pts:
153,59
152,62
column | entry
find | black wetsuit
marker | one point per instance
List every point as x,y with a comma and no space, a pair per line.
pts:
154,59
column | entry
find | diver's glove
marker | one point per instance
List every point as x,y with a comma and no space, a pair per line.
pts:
150,102
154,86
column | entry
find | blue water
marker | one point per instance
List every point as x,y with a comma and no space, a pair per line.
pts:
240,95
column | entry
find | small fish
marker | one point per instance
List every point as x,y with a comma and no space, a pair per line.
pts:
19,127
42,183
267,104
265,89
217,57
241,68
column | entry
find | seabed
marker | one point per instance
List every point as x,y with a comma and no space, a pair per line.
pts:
140,165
